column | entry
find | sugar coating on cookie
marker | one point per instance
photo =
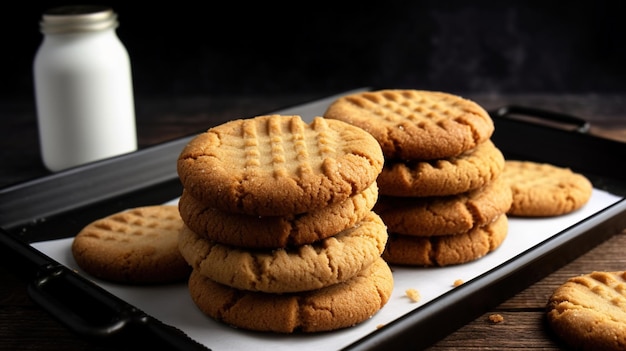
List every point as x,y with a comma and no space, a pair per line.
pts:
446,250
335,307
444,215
275,165
542,189
416,124
588,312
249,231
136,246
307,267
471,170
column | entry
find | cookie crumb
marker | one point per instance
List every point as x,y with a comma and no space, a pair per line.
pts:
380,326
413,294
458,282
496,318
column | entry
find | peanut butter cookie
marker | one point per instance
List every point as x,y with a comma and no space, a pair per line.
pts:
279,165
448,249
306,267
444,215
416,124
541,189
137,246
249,231
337,306
471,170
588,312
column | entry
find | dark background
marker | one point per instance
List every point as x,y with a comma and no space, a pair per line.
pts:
183,48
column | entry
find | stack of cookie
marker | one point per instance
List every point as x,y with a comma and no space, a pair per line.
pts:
441,196
279,228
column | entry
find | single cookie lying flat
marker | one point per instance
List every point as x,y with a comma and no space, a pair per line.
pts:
277,165
338,306
307,267
135,246
248,231
416,124
541,189
589,311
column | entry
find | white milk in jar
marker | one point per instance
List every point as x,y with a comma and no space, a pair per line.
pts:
83,88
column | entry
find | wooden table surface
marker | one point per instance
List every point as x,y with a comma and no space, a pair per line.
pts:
26,326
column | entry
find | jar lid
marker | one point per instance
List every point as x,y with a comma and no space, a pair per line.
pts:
80,18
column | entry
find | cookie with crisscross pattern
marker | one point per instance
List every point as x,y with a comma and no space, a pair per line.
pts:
543,189
276,165
416,124
136,246
589,311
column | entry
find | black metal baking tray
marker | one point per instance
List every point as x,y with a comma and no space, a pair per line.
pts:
62,203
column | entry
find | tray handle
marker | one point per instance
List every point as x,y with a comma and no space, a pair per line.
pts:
73,301
85,307
581,125
90,311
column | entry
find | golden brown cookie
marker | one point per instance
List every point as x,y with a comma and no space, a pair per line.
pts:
275,231
135,246
338,306
541,189
589,311
277,165
416,124
446,250
444,215
307,267
471,170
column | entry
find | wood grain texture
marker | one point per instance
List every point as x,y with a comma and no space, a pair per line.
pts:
524,325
